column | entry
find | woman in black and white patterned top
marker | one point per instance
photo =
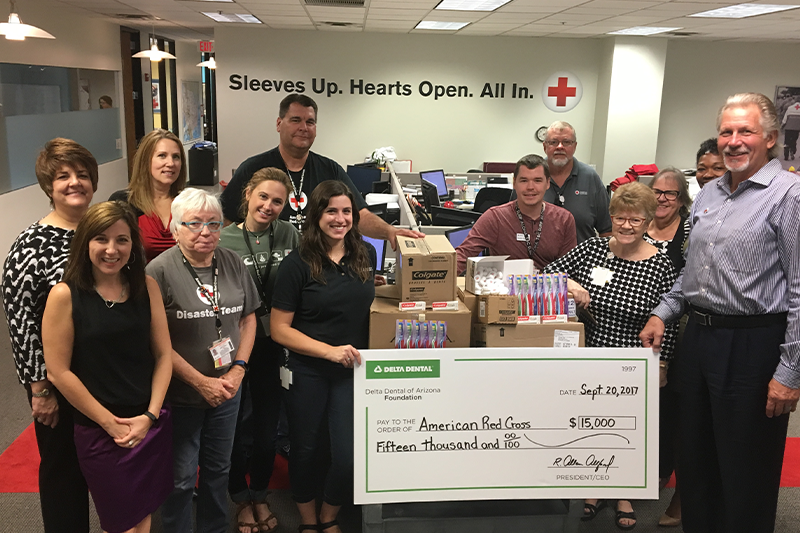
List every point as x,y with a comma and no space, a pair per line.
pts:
67,173
619,280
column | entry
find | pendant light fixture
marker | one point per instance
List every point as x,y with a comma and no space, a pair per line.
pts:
208,63
154,54
15,30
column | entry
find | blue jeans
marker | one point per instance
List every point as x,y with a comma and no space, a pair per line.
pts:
204,437
320,393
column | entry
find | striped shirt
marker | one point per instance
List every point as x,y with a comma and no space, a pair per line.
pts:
743,256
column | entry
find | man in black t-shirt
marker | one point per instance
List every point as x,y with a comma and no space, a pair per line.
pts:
297,126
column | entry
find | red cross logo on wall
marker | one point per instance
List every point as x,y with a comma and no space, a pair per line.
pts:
561,91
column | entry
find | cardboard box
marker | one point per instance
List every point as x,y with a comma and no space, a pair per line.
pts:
426,269
469,299
497,309
383,316
528,335
522,267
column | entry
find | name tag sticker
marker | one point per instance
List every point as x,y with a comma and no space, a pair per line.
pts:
221,352
521,237
601,276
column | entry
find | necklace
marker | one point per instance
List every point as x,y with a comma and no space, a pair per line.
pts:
254,234
111,303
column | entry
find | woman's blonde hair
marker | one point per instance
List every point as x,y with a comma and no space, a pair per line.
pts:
634,197
141,187
260,176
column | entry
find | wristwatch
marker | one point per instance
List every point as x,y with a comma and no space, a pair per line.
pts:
240,363
41,394
152,417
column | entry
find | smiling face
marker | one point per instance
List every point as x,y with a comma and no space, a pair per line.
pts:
624,229
530,185
709,167
265,203
110,250
559,145
668,196
202,243
336,220
297,128
72,188
165,166
741,141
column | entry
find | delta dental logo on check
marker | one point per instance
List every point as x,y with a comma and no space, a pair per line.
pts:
422,368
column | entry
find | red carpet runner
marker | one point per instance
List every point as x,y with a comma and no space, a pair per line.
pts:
19,466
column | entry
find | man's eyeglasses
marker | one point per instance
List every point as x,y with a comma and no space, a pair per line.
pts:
670,195
633,221
195,226
555,142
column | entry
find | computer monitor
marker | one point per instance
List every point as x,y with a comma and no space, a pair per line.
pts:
430,196
457,236
363,177
380,250
437,178
444,216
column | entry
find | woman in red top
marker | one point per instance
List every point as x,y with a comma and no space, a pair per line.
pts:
159,174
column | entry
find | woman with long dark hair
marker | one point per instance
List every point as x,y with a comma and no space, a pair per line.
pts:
320,312
107,349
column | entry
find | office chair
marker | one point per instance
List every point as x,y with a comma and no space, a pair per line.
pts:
490,197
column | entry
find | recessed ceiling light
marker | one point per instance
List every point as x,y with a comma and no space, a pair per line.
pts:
642,30
743,11
433,25
225,17
471,5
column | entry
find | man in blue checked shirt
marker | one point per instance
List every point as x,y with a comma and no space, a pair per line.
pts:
740,358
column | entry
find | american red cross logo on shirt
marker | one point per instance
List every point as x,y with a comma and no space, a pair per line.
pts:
561,92
294,203
796,107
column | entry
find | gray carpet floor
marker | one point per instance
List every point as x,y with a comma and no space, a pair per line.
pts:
19,513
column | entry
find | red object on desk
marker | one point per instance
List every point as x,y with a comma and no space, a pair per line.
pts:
449,204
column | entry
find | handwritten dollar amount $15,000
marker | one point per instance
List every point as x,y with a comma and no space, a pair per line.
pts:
506,423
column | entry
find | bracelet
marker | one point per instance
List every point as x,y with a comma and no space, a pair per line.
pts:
41,394
240,363
151,416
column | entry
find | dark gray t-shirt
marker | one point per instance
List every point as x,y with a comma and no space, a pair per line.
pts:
191,318
585,197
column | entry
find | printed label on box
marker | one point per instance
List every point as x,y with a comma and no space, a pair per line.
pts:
566,339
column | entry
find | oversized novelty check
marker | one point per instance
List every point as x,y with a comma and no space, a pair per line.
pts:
506,423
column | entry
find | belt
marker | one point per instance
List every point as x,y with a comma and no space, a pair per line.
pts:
704,317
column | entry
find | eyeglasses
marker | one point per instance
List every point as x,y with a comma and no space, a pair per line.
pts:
633,221
555,142
670,195
195,226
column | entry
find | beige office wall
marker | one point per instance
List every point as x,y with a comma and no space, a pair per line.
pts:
451,133
81,41
699,76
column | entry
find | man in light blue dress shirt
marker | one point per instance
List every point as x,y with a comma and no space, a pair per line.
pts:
740,359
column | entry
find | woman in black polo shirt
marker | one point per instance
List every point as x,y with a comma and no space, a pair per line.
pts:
320,312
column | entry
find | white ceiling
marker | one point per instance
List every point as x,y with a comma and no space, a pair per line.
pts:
183,19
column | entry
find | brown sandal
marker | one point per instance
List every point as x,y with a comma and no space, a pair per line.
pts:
241,506
263,525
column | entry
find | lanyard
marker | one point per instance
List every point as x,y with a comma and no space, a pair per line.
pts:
262,282
531,250
213,298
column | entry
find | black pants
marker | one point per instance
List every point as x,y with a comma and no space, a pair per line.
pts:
731,453
257,425
790,142
63,492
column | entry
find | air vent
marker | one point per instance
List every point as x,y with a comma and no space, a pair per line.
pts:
335,3
682,33
339,24
131,16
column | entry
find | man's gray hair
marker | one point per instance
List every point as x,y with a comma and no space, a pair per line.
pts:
768,115
192,200
560,125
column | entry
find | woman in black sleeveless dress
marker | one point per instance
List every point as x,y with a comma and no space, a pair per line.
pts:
107,349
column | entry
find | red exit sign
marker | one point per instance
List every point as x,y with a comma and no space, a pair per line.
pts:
206,46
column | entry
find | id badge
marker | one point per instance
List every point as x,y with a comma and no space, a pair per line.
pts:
601,276
286,377
520,237
221,352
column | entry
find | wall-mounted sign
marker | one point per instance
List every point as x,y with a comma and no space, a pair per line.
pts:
205,47
562,91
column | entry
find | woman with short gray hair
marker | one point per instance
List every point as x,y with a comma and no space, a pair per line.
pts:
210,300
